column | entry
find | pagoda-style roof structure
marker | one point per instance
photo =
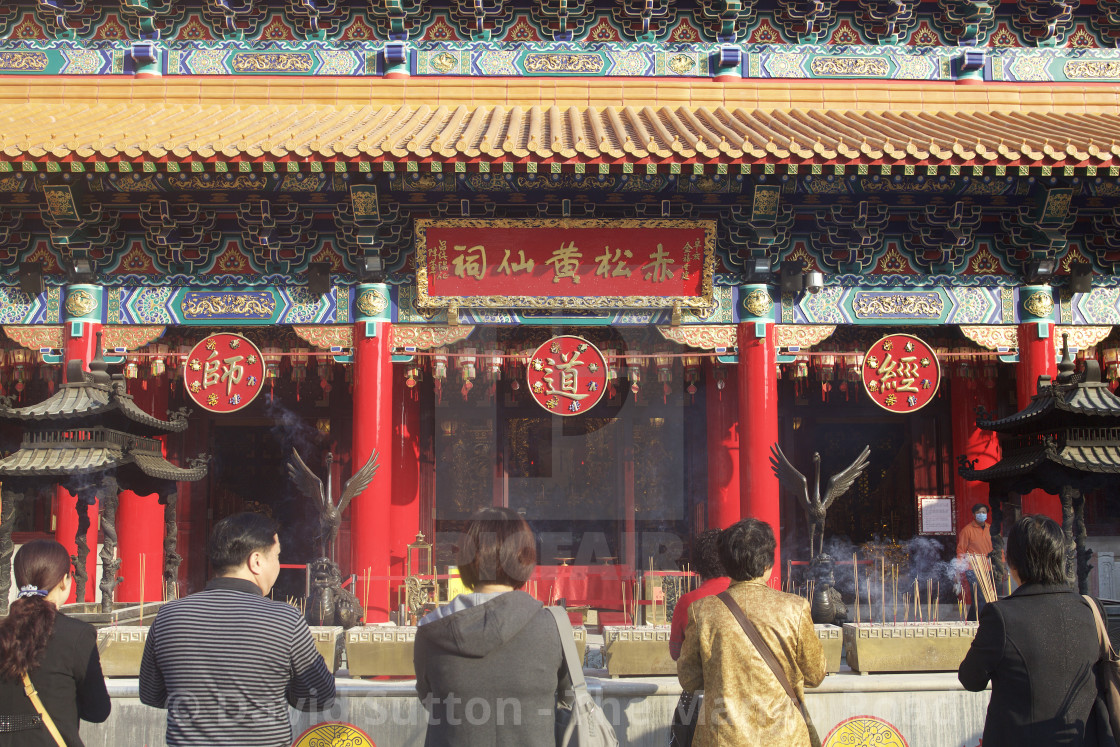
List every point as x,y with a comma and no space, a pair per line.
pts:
91,438
1065,442
94,398
1070,431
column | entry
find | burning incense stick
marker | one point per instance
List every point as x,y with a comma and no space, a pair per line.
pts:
855,577
142,589
894,590
870,614
883,589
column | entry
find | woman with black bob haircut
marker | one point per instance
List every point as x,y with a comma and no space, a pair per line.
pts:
58,652
1038,647
489,663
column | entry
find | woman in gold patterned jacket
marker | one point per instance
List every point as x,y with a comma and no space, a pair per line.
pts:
744,704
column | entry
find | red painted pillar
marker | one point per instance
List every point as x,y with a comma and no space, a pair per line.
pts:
722,407
970,441
82,318
1037,357
404,513
758,414
370,512
140,525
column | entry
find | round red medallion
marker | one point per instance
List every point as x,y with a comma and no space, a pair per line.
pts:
224,372
901,373
567,375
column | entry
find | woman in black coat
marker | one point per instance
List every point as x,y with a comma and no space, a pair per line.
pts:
1038,647
60,654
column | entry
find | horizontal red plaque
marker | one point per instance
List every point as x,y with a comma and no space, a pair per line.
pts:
565,263
901,373
224,372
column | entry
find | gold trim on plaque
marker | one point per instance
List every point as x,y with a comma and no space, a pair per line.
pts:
705,300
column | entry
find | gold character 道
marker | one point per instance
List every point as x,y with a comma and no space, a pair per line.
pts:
569,376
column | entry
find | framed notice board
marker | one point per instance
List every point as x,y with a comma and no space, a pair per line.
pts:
937,515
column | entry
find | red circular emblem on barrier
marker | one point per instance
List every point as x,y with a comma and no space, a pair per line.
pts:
567,375
224,372
901,373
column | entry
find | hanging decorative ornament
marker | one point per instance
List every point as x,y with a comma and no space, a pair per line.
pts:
800,374
634,373
826,374
1111,357
324,370
610,355
691,373
468,370
157,360
49,374
20,359
567,375
299,361
439,371
492,368
412,376
966,368
518,366
132,367
664,365
719,373
271,357
852,364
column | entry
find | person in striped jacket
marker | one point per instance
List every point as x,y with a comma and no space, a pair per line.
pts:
227,661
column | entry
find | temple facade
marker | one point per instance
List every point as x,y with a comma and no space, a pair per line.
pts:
408,207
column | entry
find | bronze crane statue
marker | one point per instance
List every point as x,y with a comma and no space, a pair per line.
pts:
330,514
816,505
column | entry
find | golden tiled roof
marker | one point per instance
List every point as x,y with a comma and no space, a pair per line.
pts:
581,121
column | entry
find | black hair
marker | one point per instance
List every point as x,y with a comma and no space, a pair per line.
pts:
979,507
1036,549
746,549
705,555
41,564
236,537
499,549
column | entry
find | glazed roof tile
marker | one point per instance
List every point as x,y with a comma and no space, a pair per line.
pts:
78,403
390,120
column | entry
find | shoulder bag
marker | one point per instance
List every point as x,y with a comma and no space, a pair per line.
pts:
583,721
33,696
768,657
1108,673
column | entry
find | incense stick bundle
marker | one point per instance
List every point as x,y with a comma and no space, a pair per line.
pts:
883,589
894,590
982,567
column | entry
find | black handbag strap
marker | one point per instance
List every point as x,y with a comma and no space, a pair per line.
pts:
756,638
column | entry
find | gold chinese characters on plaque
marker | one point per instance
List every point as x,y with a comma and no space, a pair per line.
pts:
565,263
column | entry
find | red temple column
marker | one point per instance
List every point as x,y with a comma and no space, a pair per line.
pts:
404,513
721,395
83,313
140,525
370,513
971,442
1037,357
758,413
